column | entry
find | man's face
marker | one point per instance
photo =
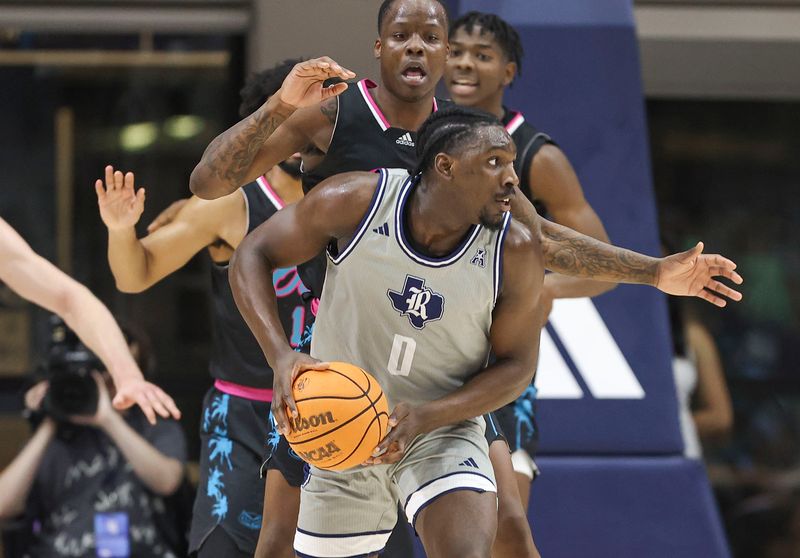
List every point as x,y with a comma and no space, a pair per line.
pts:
412,48
485,177
476,67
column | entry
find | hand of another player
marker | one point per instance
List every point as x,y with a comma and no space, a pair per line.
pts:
167,216
405,424
287,369
304,84
692,273
120,204
150,398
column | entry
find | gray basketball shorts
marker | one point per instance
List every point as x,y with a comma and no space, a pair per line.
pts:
352,513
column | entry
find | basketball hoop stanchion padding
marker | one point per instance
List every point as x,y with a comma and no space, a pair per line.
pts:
614,482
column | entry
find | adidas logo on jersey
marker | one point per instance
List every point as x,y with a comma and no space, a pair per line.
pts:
383,229
469,463
405,139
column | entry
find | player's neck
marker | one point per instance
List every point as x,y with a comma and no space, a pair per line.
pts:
493,105
434,225
408,115
285,185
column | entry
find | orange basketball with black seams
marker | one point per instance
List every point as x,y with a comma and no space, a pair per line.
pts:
342,416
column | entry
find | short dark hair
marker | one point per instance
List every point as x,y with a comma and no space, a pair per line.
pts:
386,4
260,86
447,128
506,36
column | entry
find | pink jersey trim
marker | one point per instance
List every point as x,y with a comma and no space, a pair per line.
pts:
245,392
515,123
364,86
270,193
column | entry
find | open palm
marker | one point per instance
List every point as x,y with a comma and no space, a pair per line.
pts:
120,204
693,273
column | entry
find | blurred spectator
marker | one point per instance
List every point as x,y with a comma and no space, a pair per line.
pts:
706,413
95,484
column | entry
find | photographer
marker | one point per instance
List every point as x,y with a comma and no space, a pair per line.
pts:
94,484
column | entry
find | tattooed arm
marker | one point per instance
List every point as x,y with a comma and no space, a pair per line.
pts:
689,273
284,125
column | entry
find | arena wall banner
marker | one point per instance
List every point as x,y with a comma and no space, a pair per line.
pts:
604,380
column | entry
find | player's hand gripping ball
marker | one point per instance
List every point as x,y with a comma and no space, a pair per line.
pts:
342,416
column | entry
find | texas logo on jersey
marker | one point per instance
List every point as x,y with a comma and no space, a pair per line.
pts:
417,301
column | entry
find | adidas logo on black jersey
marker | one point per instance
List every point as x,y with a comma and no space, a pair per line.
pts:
383,229
405,139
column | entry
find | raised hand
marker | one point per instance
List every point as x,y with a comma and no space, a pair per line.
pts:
692,273
304,84
120,204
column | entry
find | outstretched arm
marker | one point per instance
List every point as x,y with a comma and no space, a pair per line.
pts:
689,273
242,153
37,280
558,188
292,236
137,264
515,318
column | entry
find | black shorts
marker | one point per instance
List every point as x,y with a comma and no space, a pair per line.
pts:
494,431
281,457
234,433
518,421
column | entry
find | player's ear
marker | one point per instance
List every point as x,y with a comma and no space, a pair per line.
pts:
444,165
509,73
376,50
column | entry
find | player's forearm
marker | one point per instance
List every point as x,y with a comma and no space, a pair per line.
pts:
563,286
571,253
16,480
258,306
98,330
127,258
496,386
227,162
159,473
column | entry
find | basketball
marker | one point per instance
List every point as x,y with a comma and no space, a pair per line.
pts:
342,416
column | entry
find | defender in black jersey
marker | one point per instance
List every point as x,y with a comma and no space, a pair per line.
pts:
485,57
237,426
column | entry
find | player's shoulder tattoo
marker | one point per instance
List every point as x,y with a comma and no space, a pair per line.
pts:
330,108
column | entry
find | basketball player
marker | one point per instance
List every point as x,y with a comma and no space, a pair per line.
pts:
431,266
485,58
228,508
37,280
366,126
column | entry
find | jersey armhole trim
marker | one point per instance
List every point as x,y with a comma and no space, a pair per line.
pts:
335,124
247,211
498,257
363,226
541,139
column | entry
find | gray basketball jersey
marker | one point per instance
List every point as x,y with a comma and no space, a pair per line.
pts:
419,324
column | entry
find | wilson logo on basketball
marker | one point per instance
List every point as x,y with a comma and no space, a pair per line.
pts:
302,423
325,452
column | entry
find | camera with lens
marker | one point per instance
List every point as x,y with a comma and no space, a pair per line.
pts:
72,389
